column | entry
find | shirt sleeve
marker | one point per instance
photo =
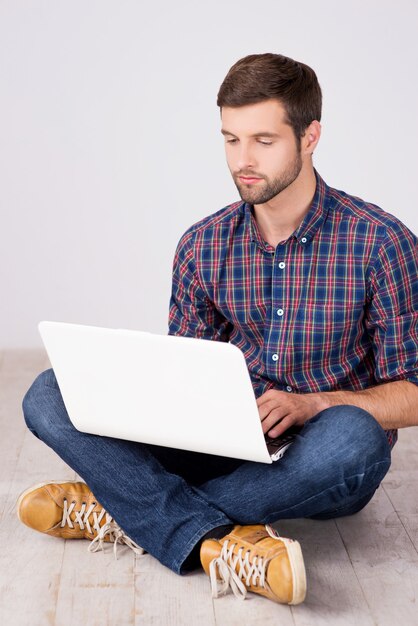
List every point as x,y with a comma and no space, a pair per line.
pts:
191,312
392,314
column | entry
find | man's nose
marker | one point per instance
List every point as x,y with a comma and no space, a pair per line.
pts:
245,158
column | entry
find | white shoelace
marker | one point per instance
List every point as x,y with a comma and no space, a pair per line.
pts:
110,527
116,534
253,572
82,516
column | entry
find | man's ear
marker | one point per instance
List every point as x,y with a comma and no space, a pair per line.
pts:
311,136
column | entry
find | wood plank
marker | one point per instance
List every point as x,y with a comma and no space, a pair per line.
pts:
255,610
30,562
384,560
19,369
163,597
405,451
188,600
401,487
334,594
95,588
75,571
30,565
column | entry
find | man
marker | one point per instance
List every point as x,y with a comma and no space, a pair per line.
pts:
318,288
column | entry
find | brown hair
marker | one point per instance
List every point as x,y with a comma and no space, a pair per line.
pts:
259,77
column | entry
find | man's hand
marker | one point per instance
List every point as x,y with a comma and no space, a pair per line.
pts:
280,409
393,405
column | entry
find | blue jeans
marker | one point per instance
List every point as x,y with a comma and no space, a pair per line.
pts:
167,499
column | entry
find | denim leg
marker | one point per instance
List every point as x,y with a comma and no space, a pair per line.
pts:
333,468
156,508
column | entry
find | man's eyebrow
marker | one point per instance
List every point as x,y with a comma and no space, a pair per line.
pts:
260,134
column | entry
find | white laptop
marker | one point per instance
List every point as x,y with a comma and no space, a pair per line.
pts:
181,392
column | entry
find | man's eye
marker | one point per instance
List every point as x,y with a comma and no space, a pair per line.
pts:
265,143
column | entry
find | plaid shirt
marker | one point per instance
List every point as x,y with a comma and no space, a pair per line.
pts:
332,307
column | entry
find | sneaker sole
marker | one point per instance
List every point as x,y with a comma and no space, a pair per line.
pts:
297,566
30,489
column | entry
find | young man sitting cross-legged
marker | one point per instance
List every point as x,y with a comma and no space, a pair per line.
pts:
318,289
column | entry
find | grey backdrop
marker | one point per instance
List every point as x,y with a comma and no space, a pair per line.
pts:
110,143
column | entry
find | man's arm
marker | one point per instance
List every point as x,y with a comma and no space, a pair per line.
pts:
393,405
191,313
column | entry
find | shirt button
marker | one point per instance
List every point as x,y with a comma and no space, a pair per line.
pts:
282,265
280,312
304,240
288,388
275,357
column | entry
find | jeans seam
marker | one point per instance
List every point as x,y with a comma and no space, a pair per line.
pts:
341,508
198,535
273,515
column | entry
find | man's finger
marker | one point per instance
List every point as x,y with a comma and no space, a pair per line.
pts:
272,404
281,427
262,399
272,411
265,409
268,396
273,418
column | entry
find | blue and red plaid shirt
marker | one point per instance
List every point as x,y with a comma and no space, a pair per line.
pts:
333,307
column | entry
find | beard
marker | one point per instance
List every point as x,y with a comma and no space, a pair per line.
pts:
262,192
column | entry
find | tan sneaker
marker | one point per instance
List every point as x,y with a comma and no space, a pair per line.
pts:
70,510
257,559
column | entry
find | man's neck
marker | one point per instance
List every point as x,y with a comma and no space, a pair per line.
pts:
281,216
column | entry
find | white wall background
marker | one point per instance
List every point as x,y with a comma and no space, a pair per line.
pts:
110,143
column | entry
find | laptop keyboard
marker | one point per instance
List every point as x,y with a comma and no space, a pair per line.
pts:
277,446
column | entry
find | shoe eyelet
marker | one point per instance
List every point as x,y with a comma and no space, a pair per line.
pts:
94,503
72,501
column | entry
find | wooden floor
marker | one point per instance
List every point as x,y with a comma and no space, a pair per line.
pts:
361,569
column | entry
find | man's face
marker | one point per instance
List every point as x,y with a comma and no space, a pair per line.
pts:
259,143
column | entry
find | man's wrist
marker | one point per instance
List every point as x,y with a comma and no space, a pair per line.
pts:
326,399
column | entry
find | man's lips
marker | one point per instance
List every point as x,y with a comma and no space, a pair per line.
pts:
249,179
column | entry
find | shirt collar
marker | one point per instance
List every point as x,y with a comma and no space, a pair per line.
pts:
310,224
